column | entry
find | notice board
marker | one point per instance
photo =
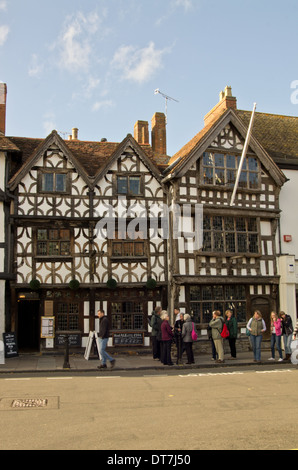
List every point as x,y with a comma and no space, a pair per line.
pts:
47,327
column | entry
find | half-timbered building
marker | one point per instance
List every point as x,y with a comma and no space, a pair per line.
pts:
123,227
236,265
83,239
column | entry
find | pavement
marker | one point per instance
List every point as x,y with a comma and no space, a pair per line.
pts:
38,362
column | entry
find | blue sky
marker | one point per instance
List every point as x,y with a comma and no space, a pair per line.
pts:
94,64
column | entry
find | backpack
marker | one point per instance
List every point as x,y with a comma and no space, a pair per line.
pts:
194,335
225,332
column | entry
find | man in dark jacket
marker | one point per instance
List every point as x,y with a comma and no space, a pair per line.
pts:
287,331
103,337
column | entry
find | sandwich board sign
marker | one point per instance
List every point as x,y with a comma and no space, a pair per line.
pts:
93,336
10,344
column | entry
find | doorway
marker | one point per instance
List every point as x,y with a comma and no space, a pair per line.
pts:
28,325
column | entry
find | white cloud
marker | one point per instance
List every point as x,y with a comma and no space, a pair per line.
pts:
74,43
102,104
90,84
3,4
186,4
4,30
138,65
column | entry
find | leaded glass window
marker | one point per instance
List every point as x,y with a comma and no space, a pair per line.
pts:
230,234
205,299
220,169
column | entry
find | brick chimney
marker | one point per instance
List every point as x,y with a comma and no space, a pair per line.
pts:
159,134
226,101
141,132
3,95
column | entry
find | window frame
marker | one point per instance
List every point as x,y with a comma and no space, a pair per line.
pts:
129,192
128,246
126,320
55,173
225,170
50,240
222,233
210,298
67,315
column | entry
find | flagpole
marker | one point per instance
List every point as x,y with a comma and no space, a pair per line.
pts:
243,154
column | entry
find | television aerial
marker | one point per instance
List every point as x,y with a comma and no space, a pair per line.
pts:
166,97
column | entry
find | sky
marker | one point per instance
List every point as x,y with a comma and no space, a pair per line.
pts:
95,64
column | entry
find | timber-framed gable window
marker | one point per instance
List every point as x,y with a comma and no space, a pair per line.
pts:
53,181
129,185
220,169
53,242
228,234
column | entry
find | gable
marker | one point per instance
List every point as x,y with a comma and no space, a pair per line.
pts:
228,133
35,155
228,139
128,157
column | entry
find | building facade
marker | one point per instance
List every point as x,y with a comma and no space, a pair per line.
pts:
236,266
123,227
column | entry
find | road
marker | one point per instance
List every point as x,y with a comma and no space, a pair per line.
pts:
224,409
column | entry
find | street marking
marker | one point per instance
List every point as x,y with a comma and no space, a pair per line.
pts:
19,379
272,371
211,374
112,377
59,378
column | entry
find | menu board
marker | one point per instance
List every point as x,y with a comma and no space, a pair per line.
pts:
47,327
10,344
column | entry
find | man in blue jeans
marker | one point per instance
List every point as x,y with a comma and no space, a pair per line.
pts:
103,337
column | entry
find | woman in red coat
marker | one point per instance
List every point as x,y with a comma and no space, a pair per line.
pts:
166,337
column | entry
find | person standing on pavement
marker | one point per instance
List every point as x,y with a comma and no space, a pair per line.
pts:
216,324
287,331
256,326
178,337
232,326
276,333
167,337
103,337
156,333
176,314
187,339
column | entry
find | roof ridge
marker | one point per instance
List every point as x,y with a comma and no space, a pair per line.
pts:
268,114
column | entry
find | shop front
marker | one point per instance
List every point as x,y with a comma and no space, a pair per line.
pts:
44,318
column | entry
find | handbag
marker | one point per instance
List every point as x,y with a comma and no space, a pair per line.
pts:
194,335
225,332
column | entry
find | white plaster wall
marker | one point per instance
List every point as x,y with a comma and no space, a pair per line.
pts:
289,214
287,285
